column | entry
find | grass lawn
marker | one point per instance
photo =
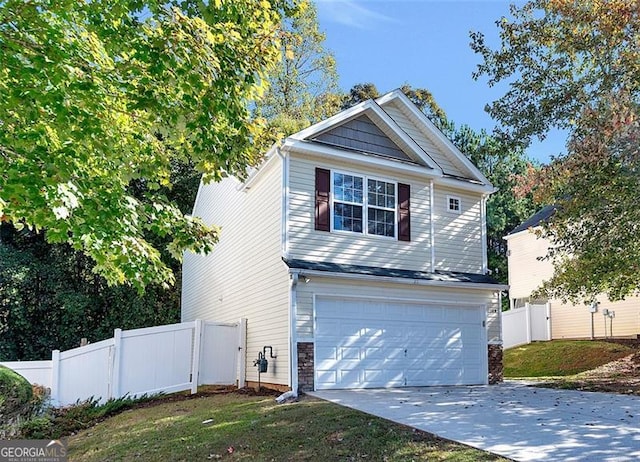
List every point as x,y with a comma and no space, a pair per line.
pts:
560,357
241,426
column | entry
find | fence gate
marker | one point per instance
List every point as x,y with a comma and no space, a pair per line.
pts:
525,325
539,318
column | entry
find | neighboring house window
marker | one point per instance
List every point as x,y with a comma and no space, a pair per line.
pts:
454,204
362,205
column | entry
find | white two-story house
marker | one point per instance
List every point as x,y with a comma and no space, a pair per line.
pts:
356,250
528,270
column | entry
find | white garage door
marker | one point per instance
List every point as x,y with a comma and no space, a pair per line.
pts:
371,344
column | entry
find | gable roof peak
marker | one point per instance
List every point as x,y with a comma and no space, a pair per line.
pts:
397,96
378,110
381,119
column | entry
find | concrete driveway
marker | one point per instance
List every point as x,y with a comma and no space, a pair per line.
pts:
512,419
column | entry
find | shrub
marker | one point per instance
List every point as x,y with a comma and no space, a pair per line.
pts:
38,428
67,420
15,395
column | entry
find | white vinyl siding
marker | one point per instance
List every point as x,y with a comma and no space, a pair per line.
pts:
527,271
353,248
458,235
574,321
419,136
319,286
244,276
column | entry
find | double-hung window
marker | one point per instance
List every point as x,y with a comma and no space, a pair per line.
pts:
364,205
348,202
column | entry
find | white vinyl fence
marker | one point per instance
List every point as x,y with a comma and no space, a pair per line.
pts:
152,360
525,325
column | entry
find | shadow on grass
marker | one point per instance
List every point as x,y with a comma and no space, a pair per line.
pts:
253,428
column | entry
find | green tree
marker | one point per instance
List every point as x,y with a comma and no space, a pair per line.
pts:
50,297
559,58
506,167
304,86
360,92
97,95
596,190
576,65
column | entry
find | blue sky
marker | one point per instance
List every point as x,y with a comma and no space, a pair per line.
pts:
424,43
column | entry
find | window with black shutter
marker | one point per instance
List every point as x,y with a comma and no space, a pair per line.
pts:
363,205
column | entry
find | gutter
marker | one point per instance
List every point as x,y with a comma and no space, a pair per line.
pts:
519,233
397,280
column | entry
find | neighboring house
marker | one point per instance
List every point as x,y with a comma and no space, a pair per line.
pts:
527,271
357,251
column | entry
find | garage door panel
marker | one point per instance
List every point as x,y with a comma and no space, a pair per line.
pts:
328,354
394,353
349,353
326,377
374,376
470,361
328,327
374,352
372,331
362,343
348,329
349,375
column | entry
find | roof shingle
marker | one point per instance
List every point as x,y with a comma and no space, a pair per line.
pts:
442,276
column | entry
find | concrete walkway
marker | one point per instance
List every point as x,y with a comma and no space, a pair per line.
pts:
511,419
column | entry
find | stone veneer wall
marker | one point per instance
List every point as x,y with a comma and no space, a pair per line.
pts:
495,364
305,366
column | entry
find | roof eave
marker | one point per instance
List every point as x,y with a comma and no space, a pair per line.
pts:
530,230
257,171
399,280
313,148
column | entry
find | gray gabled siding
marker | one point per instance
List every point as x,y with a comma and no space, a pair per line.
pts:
361,134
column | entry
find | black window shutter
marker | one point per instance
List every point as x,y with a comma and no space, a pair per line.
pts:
404,220
323,188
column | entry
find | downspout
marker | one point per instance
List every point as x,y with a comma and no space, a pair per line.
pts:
293,340
500,314
483,219
432,231
293,293
284,204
